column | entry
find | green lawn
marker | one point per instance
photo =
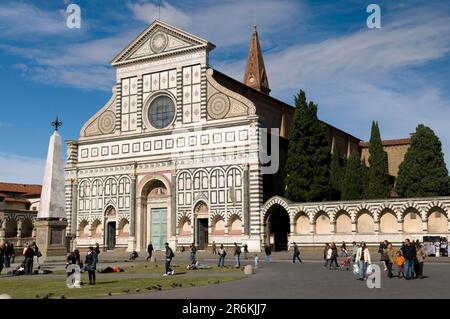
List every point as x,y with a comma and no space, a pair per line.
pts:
159,268
21,288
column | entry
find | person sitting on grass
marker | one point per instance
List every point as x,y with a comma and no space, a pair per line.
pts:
134,255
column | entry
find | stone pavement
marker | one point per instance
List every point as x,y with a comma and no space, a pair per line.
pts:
284,280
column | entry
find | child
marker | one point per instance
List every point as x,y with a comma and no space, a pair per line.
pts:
256,261
400,262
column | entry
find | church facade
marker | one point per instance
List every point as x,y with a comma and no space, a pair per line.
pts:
177,154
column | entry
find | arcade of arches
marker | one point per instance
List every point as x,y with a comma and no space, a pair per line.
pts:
372,221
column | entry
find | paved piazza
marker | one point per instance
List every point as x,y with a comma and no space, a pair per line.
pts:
283,280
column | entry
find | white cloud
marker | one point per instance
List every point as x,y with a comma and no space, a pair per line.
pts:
227,23
21,169
26,19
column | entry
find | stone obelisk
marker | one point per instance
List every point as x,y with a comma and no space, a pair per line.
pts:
51,221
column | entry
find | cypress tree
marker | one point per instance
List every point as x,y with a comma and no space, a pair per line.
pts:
423,171
377,183
308,160
336,176
352,186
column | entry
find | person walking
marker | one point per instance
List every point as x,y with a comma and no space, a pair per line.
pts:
213,248
334,255
268,252
193,253
2,256
91,264
400,263
344,252
328,256
420,257
222,253
354,251
325,255
296,254
237,255
7,255
12,252
363,257
149,251
390,259
28,253
409,255
245,251
169,256
383,254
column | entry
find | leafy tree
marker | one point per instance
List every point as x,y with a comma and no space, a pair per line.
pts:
377,177
352,185
336,176
423,171
308,160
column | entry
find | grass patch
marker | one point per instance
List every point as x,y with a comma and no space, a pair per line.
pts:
21,288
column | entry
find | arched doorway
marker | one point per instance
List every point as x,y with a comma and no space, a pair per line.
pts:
201,215
277,228
110,221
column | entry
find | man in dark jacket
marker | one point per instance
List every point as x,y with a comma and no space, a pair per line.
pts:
409,255
150,251
91,264
169,256
29,257
296,254
2,257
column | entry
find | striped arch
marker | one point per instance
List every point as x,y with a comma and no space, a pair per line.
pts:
382,209
339,210
181,216
276,200
409,205
435,204
322,209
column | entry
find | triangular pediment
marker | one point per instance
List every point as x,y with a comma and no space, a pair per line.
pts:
160,39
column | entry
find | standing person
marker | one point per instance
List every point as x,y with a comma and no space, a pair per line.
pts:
325,254
363,257
2,257
97,250
7,255
169,256
193,252
380,251
149,251
245,251
354,251
222,253
13,252
91,264
37,253
213,248
400,263
409,255
344,252
256,260
237,255
334,255
28,253
328,257
268,252
296,254
383,255
390,255
420,257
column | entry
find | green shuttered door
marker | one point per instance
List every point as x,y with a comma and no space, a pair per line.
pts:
159,227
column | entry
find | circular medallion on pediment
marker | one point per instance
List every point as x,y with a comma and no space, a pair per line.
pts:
107,122
218,106
158,42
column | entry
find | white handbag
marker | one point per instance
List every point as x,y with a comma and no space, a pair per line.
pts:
355,269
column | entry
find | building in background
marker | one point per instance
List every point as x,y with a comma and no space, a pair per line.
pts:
19,204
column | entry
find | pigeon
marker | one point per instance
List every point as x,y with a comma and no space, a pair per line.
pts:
126,290
137,289
109,293
37,296
63,297
149,288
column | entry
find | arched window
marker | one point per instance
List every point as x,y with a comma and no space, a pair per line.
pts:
235,226
343,223
302,224
323,224
412,223
84,229
365,223
388,223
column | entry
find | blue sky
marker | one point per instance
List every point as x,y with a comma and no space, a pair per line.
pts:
397,75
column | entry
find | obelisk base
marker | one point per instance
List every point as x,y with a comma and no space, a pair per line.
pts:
51,239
